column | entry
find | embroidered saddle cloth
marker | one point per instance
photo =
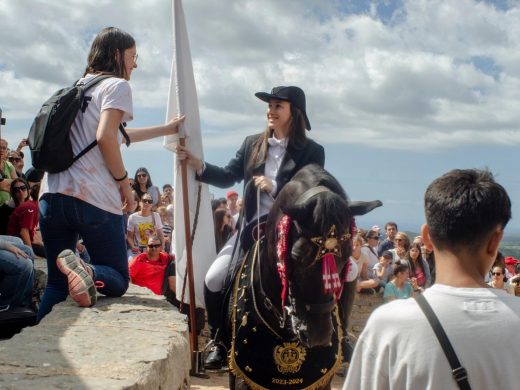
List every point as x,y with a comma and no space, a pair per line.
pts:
261,357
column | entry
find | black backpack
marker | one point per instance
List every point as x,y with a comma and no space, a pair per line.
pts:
49,138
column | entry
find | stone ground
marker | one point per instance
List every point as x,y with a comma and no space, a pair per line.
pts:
219,381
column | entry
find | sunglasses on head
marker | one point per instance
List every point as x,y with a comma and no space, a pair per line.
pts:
20,188
149,201
154,246
142,175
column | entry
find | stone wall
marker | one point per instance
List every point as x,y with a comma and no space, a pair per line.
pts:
364,305
138,341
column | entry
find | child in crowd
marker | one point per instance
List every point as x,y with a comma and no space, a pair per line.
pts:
383,269
167,227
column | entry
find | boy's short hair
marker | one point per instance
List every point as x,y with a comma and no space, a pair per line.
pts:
463,206
387,254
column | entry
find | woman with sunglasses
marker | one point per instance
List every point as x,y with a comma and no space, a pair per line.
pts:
141,226
88,199
266,162
402,244
24,219
499,280
143,185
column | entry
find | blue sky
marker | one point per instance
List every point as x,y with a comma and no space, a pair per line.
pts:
398,92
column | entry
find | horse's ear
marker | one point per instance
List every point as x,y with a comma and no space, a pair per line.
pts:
362,208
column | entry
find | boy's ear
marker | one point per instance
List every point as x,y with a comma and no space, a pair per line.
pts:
425,233
494,241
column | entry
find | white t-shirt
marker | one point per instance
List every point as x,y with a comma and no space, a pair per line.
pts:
398,349
143,227
88,178
372,260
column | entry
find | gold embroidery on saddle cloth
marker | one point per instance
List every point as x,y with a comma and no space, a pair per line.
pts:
289,357
290,383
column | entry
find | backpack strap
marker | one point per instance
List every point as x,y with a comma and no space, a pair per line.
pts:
458,372
86,87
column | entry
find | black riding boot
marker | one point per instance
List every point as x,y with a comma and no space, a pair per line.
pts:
217,357
345,309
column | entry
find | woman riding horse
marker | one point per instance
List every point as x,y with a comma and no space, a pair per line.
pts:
269,160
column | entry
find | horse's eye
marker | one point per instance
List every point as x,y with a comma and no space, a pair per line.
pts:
302,251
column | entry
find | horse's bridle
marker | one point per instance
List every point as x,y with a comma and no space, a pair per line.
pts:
316,308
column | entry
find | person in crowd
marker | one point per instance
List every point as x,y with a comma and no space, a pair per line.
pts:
383,270
402,245
418,240
24,219
388,242
510,264
7,172
142,225
148,268
465,249
499,280
399,287
143,185
16,158
429,257
167,196
268,161
167,227
232,199
17,270
515,281
34,176
358,258
96,186
418,267
368,281
223,230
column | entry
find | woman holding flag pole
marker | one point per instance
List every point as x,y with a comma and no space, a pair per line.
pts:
266,162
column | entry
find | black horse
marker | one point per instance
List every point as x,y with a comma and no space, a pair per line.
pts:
289,308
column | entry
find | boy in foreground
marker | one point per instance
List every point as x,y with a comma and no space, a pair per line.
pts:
466,213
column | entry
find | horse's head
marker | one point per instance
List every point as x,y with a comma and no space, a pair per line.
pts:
315,230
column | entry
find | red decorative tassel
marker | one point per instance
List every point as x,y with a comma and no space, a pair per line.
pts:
331,281
281,250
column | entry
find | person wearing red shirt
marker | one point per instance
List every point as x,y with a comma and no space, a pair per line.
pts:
148,269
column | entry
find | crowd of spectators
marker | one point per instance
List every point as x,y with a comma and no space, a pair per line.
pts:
399,268
394,266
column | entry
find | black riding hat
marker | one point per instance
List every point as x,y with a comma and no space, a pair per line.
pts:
294,95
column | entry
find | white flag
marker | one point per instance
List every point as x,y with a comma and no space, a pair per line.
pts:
182,100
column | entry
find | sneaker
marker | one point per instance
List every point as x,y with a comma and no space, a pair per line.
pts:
79,276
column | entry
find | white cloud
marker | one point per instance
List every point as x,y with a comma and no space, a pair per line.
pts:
407,82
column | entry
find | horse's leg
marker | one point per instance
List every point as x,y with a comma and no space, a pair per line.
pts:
345,309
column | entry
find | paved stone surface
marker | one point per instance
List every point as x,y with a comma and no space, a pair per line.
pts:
138,341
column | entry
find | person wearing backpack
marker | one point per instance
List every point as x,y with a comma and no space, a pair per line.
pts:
89,197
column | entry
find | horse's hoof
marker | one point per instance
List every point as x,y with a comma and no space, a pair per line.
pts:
216,358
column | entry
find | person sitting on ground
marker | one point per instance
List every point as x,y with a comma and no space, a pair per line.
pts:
418,267
388,242
141,226
148,268
143,185
24,219
399,287
368,281
402,245
466,214
499,280
383,270
17,270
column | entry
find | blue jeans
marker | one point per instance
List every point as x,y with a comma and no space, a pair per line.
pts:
62,218
17,275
